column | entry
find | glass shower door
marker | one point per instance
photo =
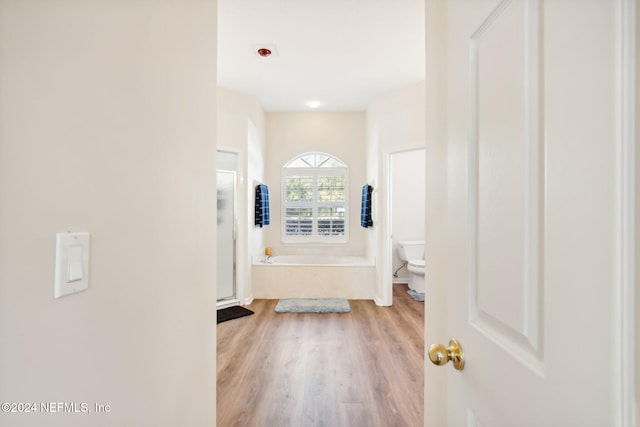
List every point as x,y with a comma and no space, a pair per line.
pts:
226,201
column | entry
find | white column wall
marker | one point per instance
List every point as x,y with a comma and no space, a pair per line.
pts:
395,122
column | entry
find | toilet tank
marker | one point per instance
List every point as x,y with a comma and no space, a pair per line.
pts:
411,249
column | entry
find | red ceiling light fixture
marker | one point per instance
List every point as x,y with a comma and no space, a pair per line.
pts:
264,49
264,52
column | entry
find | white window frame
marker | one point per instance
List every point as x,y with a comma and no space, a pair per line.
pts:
315,172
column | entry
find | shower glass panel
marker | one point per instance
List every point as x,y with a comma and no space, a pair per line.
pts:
226,198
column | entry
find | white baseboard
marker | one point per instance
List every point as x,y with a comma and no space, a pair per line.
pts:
227,303
378,302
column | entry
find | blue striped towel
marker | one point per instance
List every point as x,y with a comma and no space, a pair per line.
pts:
365,208
262,205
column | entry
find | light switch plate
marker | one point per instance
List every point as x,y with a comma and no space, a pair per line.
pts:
72,263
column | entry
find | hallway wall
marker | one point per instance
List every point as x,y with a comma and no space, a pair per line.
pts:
107,125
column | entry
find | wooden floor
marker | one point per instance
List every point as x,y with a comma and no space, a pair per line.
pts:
363,368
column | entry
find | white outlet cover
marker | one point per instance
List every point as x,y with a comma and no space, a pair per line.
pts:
72,263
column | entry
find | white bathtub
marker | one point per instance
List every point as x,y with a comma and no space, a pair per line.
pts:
314,276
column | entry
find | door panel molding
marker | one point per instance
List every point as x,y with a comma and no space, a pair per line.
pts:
505,301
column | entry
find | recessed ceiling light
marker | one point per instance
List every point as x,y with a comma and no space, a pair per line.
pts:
314,104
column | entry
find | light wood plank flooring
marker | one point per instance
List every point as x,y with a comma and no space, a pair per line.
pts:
363,368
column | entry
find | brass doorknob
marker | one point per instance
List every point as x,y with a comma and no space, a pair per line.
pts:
441,355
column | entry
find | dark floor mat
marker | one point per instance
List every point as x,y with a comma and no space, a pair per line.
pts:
232,313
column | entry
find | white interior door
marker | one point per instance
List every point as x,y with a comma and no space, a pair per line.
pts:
527,279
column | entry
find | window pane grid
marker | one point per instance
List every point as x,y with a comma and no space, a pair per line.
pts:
331,221
299,188
331,189
299,221
314,198
315,160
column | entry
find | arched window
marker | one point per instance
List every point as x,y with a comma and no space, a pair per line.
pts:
315,199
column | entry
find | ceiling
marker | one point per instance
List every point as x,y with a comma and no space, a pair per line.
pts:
339,53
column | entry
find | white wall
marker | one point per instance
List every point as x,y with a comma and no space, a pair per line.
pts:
107,124
399,117
395,122
339,134
256,173
241,129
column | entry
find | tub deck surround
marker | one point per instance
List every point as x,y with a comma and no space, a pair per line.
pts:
316,260
314,276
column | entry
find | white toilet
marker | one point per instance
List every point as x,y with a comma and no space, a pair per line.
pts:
412,251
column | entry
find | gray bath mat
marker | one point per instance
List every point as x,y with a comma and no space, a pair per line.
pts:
313,305
418,296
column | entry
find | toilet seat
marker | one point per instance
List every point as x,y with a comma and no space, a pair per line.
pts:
416,266
417,263
416,275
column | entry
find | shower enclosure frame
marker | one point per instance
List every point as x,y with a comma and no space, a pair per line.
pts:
226,300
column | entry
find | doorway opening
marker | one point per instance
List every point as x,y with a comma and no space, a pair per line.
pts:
405,175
